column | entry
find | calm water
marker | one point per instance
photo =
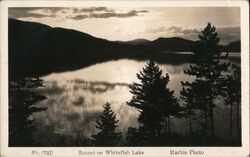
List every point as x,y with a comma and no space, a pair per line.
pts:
76,98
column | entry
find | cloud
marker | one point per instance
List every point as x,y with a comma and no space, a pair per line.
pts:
190,31
226,34
79,17
91,9
33,12
72,13
108,14
173,29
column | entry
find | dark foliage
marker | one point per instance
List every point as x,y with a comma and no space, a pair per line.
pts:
47,49
155,102
21,107
209,71
107,124
232,47
232,95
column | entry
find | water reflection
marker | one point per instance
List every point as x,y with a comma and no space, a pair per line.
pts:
75,99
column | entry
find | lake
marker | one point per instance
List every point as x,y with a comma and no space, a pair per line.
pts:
76,98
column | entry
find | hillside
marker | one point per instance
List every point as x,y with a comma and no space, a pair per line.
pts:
138,41
233,47
45,49
40,49
172,44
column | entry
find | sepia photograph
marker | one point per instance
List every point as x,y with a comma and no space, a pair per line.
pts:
120,76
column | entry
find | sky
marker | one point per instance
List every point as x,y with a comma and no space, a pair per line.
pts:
120,23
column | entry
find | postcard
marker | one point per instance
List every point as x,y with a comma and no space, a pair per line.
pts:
124,78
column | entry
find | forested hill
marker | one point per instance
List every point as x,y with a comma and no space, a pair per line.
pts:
34,38
38,48
41,48
233,47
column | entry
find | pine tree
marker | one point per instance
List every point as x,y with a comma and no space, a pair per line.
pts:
232,96
107,136
188,97
194,96
153,99
21,107
208,71
208,46
133,137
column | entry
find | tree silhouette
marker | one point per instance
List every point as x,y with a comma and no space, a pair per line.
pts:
21,107
153,100
133,137
208,46
195,96
209,72
189,102
107,126
232,96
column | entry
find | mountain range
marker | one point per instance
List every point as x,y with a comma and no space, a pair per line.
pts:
43,48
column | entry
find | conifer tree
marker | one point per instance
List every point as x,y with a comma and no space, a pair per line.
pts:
188,97
21,107
153,99
208,71
133,137
232,96
107,124
194,96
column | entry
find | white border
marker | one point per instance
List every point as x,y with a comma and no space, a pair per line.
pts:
148,151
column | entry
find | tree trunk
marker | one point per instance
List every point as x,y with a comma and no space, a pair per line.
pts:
212,121
238,122
231,121
205,127
190,124
165,127
210,106
169,128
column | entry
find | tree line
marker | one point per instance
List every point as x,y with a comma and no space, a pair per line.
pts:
157,104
